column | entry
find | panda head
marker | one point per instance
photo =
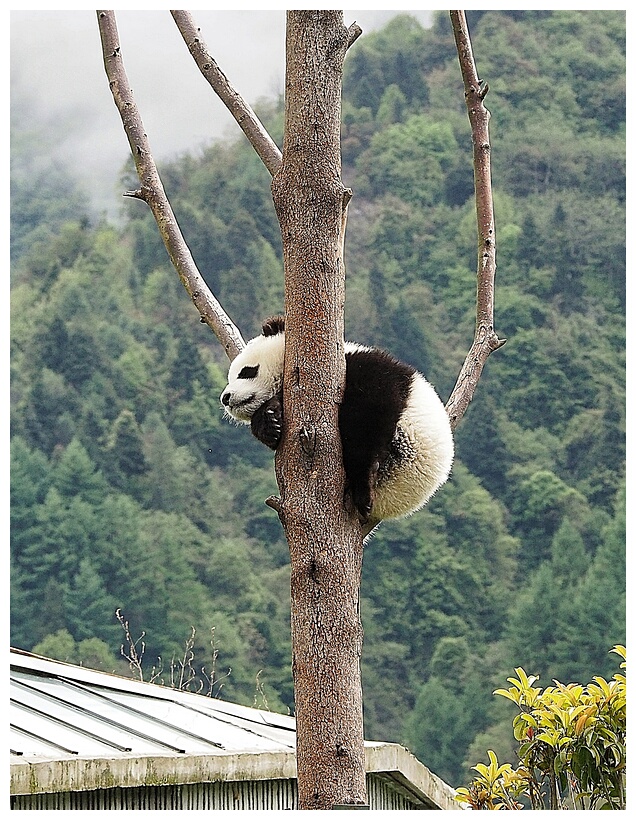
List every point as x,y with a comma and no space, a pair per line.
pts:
256,374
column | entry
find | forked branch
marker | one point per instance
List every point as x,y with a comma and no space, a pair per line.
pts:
152,191
153,194
485,340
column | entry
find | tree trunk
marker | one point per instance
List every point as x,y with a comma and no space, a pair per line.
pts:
324,538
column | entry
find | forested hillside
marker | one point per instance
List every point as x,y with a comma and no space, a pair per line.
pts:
130,492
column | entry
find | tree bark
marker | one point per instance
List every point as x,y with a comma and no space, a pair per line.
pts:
324,539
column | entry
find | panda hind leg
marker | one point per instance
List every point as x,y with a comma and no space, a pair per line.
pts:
361,486
267,422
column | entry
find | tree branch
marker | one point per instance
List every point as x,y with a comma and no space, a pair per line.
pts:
252,127
354,31
153,193
485,340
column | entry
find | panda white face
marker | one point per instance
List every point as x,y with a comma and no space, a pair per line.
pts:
255,375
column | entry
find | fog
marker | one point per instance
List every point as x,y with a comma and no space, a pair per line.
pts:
59,88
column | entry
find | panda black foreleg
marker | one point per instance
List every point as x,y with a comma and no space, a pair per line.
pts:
267,421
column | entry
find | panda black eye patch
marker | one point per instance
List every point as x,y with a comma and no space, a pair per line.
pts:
250,372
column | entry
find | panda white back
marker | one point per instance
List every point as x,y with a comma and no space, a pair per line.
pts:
406,486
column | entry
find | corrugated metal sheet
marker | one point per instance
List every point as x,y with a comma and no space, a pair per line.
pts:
242,796
58,710
270,795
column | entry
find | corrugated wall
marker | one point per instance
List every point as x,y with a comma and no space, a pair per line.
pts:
238,795
383,796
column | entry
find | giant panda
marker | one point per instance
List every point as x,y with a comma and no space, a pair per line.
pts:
397,444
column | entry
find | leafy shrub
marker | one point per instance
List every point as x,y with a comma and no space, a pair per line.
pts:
571,748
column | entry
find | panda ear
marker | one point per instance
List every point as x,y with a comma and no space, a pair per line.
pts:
274,325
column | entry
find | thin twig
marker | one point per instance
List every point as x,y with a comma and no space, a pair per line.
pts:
133,657
153,193
485,340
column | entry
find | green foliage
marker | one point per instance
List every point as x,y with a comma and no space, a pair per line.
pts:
44,202
419,150
394,57
449,708
91,652
572,603
130,492
572,752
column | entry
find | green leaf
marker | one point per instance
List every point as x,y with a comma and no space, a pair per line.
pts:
509,693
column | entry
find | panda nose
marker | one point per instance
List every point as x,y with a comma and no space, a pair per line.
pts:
225,398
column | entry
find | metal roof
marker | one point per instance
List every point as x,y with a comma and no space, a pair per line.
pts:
58,711
76,729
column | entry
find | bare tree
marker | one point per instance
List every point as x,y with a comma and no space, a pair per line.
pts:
325,539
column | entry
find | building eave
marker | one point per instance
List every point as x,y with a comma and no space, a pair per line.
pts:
75,730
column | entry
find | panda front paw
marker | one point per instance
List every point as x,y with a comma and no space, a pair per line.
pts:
267,422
